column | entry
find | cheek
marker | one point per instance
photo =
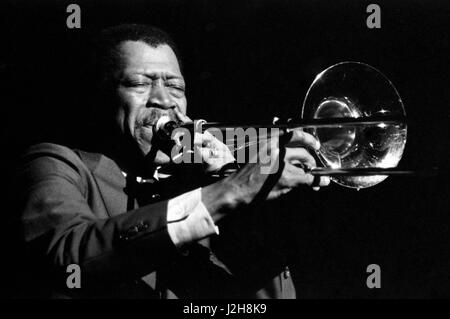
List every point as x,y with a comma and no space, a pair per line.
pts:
127,111
119,118
183,105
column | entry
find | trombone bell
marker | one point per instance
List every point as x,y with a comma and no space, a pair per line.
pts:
356,90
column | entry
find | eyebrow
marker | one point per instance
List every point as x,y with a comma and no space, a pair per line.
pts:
174,76
167,75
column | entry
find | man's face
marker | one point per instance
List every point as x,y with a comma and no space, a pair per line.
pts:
149,85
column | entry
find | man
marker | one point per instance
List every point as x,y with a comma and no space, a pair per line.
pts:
132,233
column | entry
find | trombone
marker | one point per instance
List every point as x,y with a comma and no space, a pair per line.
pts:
356,114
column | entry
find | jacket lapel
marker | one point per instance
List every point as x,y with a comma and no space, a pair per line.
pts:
109,180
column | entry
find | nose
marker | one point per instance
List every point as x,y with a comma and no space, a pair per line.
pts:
159,97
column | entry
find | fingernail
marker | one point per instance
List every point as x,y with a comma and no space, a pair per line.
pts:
316,188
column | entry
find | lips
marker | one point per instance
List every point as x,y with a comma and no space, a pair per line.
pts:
144,127
150,119
148,122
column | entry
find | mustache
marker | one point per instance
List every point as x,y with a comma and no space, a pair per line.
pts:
153,116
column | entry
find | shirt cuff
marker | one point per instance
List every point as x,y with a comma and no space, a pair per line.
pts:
188,219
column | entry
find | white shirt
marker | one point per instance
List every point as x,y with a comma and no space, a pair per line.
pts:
188,219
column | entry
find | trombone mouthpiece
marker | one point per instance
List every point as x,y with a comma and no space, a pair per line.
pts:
164,127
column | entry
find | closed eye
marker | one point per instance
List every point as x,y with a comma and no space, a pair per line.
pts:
136,84
176,85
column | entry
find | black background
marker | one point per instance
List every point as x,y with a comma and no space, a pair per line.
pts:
252,60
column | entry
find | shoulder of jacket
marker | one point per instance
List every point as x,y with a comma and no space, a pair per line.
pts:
56,151
78,160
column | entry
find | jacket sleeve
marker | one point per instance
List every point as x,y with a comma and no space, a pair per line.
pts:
61,228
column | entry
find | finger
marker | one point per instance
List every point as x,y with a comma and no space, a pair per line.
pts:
213,152
316,181
319,181
204,152
210,155
208,137
214,137
295,176
325,181
301,138
209,140
301,155
203,139
279,192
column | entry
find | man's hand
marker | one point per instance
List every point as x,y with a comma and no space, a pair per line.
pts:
268,179
297,159
213,152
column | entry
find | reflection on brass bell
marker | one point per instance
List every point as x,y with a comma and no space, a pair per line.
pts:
356,90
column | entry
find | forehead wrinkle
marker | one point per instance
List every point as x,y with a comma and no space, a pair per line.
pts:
152,72
139,57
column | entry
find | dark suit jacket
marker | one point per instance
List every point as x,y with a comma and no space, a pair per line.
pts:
78,208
